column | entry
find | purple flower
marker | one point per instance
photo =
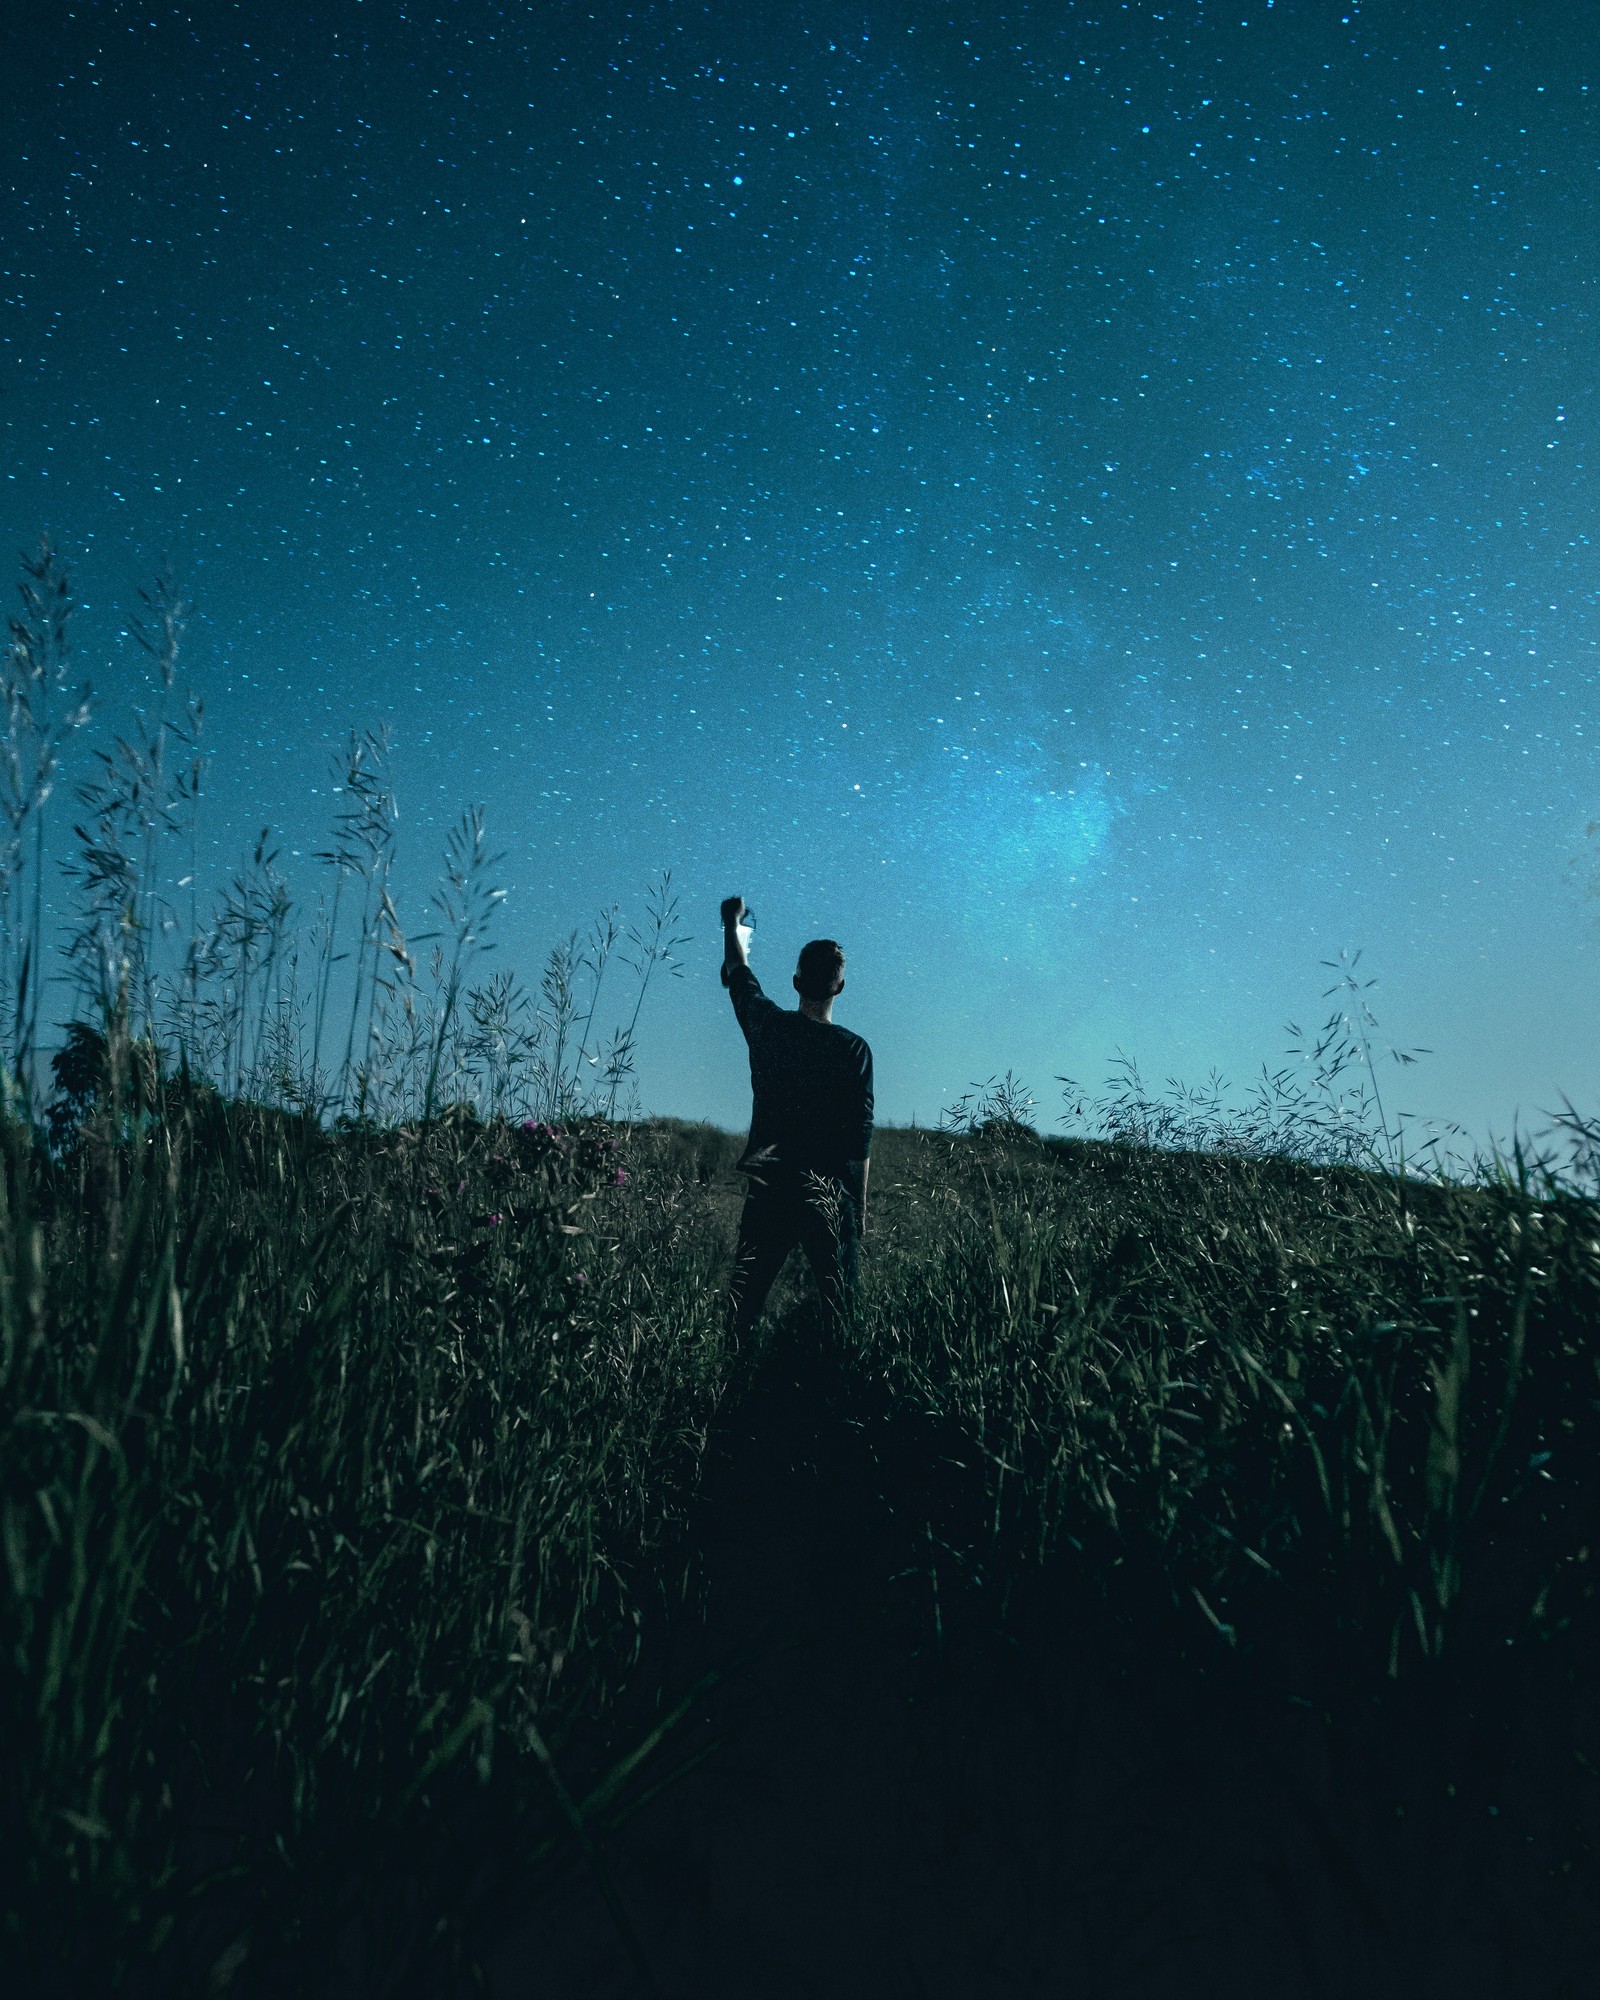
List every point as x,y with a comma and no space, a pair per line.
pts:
496,1219
621,1177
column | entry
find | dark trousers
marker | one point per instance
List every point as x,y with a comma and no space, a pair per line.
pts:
823,1221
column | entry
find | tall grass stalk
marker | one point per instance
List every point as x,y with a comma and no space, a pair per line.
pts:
41,718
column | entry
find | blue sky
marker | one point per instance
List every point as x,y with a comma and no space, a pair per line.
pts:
1091,507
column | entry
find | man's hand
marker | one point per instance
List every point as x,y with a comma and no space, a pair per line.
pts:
733,951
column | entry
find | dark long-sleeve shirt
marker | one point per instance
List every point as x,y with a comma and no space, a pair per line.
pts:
812,1085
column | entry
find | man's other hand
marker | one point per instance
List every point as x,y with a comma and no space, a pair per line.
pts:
732,910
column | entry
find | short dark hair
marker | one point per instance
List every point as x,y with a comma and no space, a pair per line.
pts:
820,969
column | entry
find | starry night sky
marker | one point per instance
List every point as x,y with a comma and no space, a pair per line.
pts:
1088,504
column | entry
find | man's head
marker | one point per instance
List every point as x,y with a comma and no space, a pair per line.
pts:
819,976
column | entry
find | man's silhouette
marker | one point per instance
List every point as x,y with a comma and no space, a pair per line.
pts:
810,1130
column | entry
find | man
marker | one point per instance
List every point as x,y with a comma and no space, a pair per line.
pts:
810,1130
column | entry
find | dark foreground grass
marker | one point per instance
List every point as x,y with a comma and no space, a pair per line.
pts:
322,1457
340,1470
1273,1383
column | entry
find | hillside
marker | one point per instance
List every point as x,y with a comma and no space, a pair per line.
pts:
1183,1576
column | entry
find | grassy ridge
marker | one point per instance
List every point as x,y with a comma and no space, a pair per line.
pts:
334,1462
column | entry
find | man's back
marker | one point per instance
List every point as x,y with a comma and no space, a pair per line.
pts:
811,1082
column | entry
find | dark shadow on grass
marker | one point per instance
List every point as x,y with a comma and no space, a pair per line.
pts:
933,1778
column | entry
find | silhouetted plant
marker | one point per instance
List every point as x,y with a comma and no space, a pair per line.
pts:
41,718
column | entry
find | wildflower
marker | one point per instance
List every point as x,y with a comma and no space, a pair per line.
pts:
621,1177
496,1219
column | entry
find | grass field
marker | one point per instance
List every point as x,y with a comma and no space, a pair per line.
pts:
341,1467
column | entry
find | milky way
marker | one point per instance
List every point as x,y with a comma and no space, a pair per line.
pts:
1088,505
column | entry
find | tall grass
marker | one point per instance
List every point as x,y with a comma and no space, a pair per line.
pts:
324,1454
344,1365
41,718
1260,1381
